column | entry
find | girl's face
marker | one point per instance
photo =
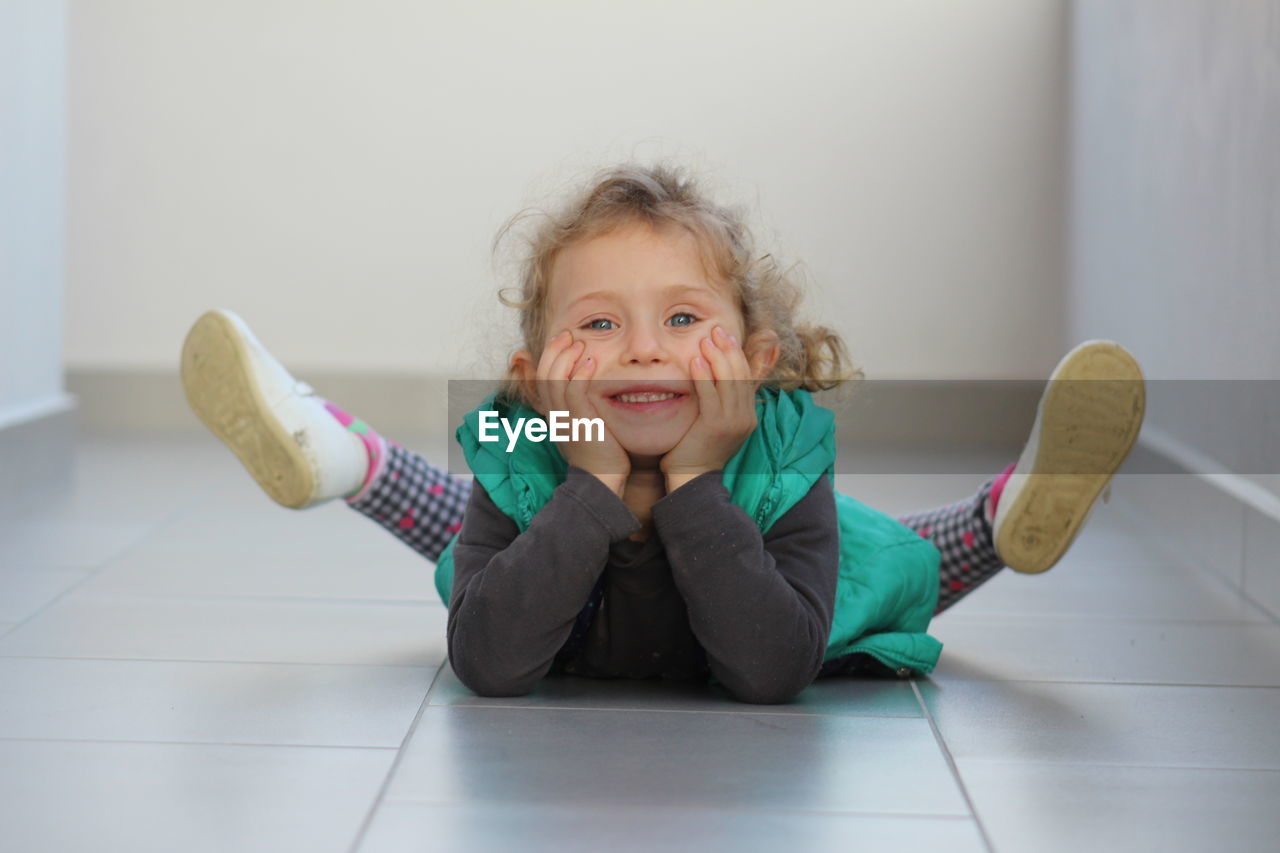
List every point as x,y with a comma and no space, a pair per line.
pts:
641,302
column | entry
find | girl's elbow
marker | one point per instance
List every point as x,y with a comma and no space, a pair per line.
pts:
775,692
474,665
768,695
483,679
487,684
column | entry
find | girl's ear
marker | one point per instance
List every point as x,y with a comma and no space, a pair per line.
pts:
762,353
526,368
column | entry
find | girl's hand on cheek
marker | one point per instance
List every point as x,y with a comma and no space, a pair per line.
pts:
726,411
562,376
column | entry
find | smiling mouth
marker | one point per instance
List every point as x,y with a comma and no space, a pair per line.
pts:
646,401
645,397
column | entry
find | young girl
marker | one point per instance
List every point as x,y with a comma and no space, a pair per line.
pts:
700,536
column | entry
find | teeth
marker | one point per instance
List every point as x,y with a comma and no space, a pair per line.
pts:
647,397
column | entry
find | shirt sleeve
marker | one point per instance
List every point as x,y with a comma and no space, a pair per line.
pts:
760,605
517,595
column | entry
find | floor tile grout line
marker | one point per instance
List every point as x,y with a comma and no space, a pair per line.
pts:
746,708
380,797
144,742
951,764
1243,586
4,657
1085,683
1005,762
376,665
38,566
697,809
167,522
641,710
272,599
1244,569
1264,619
1065,619
1181,559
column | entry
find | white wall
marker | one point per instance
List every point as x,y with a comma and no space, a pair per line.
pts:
1176,224
335,171
32,207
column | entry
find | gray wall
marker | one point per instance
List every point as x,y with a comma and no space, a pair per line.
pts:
335,171
1175,230
32,209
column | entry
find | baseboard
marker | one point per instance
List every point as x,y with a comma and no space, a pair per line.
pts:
1195,513
135,400
37,455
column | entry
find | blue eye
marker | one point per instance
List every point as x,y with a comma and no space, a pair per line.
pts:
591,324
692,319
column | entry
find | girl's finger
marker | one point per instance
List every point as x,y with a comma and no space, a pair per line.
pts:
562,364
733,358
741,368
576,389
543,367
561,367
704,384
554,347
720,369
743,390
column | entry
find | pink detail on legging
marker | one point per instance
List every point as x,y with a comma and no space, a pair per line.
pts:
997,486
343,417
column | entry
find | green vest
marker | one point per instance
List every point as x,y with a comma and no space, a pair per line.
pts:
887,587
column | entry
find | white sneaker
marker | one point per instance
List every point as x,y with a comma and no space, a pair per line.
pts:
297,451
1083,431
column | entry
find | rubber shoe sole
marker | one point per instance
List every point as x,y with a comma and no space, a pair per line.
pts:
1083,431
260,412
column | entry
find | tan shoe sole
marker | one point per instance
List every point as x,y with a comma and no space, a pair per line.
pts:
1084,430
223,392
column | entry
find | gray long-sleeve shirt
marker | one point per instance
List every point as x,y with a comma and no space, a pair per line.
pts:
707,593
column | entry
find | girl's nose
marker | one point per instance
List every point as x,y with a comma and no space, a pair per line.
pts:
644,347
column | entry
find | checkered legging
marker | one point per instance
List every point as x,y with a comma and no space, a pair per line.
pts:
419,503
963,537
423,506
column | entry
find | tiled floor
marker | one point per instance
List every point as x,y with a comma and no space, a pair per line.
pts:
186,666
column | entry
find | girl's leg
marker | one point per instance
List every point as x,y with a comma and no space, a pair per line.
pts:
1086,422
301,448
962,533
420,504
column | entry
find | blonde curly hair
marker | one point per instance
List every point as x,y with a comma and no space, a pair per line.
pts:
812,357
